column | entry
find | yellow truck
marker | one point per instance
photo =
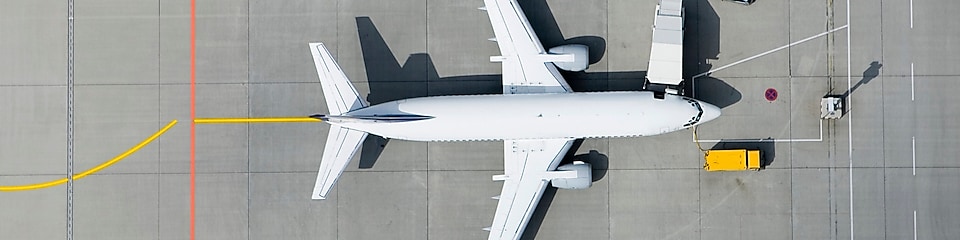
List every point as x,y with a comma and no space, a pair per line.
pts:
731,160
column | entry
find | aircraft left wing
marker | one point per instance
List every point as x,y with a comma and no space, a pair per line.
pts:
527,67
528,167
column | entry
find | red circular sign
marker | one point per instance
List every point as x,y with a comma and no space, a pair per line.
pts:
771,94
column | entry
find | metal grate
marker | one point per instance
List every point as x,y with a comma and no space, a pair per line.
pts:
69,119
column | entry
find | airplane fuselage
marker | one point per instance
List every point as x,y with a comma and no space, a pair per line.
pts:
529,116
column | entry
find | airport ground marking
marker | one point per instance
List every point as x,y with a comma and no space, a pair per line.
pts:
193,115
911,82
70,117
911,14
94,169
849,122
255,120
914,147
820,139
771,51
914,224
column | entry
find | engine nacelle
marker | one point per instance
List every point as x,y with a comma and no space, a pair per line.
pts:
581,57
584,176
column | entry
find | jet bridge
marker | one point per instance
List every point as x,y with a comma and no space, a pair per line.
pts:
665,72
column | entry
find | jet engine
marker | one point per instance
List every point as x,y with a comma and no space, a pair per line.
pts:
584,176
581,57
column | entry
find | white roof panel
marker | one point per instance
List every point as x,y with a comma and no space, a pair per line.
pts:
666,51
671,7
668,22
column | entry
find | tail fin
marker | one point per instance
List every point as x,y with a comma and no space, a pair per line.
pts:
339,92
342,144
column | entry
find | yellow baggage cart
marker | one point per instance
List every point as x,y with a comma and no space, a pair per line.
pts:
732,160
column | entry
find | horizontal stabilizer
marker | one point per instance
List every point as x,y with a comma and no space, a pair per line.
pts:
339,93
342,144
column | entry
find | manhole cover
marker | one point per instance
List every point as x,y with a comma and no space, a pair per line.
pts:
770,94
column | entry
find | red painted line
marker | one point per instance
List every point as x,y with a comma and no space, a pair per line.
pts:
193,114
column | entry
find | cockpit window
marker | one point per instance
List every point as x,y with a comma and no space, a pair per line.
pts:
694,119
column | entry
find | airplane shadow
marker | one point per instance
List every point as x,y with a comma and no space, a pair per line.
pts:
598,161
548,31
715,91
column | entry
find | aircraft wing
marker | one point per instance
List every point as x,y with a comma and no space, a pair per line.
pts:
528,167
527,67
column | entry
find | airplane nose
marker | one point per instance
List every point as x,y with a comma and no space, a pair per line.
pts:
710,112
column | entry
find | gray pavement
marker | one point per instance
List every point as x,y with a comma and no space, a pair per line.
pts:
253,181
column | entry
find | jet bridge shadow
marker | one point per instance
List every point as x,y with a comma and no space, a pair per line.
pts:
701,37
701,44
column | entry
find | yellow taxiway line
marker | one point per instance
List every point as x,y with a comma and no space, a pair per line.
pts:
94,169
255,120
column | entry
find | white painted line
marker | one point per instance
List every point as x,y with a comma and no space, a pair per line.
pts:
850,122
911,82
914,147
820,139
771,51
70,117
914,224
911,14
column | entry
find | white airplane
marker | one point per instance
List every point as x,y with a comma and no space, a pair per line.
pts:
537,117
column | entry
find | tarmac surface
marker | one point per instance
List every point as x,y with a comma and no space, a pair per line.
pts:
254,180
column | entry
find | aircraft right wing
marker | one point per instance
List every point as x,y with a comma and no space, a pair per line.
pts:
528,167
527,67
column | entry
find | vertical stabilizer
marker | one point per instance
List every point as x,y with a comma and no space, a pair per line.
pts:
337,90
342,144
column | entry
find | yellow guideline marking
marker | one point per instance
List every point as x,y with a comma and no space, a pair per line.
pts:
94,169
255,120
